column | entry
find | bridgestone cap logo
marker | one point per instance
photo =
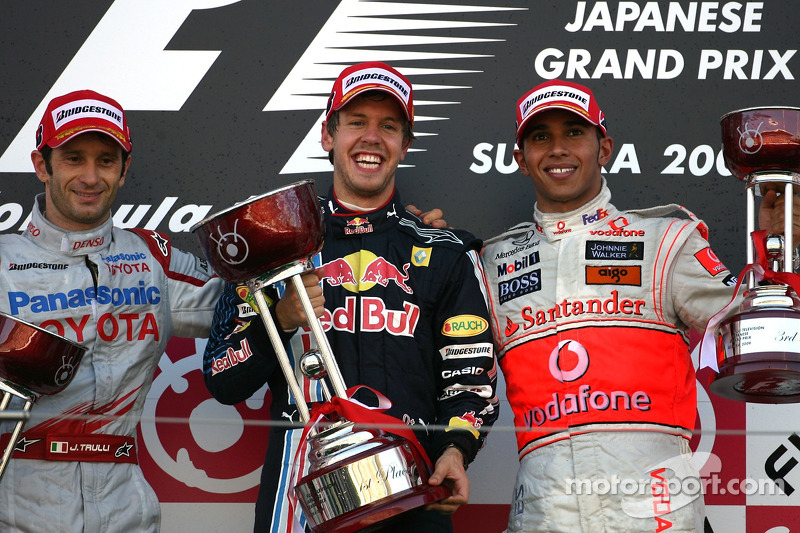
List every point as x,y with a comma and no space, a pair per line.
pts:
376,76
556,93
82,109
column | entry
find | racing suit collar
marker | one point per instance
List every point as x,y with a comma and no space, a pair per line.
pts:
590,216
50,237
348,223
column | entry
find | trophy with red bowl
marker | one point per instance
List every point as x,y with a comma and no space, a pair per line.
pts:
758,347
33,362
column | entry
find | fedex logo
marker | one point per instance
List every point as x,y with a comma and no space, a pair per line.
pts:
599,215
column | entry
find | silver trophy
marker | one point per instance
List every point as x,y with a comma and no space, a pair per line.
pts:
758,348
358,476
33,362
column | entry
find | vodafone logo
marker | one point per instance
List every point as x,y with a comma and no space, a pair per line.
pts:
569,361
618,223
710,261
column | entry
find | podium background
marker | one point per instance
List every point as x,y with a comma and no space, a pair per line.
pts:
225,100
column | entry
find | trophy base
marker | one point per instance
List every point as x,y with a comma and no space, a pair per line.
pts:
377,512
366,483
759,378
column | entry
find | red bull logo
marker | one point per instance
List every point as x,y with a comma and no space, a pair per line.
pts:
466,421
359,271
358,226
382,272
337,272
374,316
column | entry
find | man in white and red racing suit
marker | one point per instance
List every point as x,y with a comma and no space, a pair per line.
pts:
119,293
591,308
595,354
405,314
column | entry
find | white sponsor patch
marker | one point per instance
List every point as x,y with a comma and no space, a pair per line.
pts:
467,351
245,310
86,109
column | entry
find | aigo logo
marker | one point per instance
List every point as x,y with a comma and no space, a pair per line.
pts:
572,355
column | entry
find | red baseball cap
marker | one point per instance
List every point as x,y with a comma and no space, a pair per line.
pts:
371,76
559,94
79,112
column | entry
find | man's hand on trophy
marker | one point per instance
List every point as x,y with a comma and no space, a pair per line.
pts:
434,217
449,470
771,210
289,309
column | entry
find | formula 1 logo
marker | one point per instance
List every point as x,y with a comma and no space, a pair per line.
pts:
165,79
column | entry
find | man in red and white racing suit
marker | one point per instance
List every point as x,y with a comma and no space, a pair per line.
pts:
591,308
121,294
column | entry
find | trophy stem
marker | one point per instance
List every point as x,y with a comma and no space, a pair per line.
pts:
335,376
788,251
21,419
283,357
751,209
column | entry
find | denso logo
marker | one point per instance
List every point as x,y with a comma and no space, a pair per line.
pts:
89,243
588,219
76,298
33,230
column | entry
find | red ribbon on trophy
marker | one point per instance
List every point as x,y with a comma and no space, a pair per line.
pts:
761,272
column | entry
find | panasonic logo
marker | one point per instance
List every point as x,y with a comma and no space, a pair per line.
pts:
76,298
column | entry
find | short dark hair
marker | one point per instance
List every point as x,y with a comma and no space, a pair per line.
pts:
47,152
379,96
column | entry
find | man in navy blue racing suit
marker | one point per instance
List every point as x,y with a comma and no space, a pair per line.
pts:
403,305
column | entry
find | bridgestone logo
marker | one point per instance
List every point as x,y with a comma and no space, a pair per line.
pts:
43,266
389,80
95,109
555,93
465,351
